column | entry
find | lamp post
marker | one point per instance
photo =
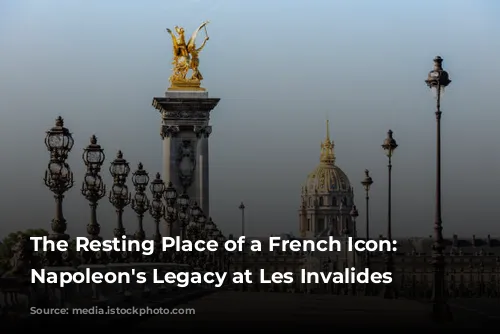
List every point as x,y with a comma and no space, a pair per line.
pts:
438,80
192,231
211,234
242,208
198,233
203,228
243,259
59,179
195,212
202,234
214,232
197,221
201,221
192,225
170,196
157,209
201,224
183,215
119,196
209,228
93,188
367,182
220,252
345,228
354,214
345,233
58,176
225,255
389,147
176,210
140,201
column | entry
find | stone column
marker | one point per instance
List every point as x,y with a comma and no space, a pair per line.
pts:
185,131
202,133
168,134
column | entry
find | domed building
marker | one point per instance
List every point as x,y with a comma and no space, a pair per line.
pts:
327,198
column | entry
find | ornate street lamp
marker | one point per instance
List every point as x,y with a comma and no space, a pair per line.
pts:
225,254
345,232
59,179
59,141
367,183
140,201
354,214
93,188
201,221
177,210
170,196
438,79
242,209
119,196
219,263
212,234
220,237
243,254
93,156
58,176
157,209
183,204
193,230
195,211
210,228
389,147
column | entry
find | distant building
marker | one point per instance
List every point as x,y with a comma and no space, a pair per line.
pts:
472,264
326,198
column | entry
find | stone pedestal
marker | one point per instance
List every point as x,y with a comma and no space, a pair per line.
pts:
185,129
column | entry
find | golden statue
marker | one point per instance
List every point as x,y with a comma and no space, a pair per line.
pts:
186,57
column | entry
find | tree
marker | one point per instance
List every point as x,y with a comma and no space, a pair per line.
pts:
11,239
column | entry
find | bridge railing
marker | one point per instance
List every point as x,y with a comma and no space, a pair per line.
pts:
19,297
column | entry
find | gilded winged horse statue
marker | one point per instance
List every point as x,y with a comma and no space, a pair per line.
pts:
185,58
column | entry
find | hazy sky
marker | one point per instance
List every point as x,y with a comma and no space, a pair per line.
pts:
280,68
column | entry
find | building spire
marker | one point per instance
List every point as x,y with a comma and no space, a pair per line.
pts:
327,129
327,155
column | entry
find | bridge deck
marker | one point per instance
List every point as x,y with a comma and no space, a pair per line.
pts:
261,309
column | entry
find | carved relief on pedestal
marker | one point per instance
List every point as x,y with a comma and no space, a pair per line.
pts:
186,163
202,131
185,114
169,131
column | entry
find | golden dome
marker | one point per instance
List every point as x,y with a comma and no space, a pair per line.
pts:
327,177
